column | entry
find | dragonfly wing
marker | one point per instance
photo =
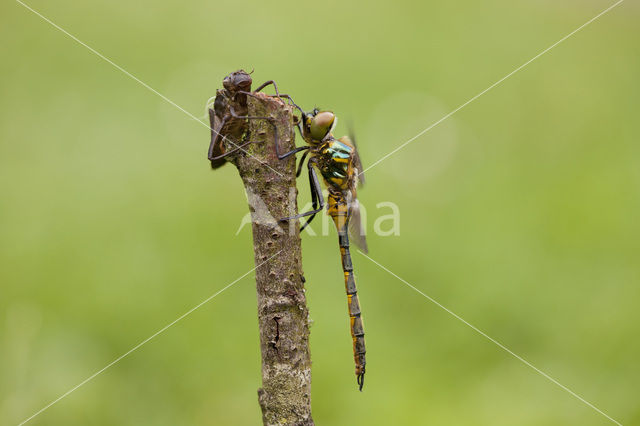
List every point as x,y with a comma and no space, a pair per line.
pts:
357,163
356,230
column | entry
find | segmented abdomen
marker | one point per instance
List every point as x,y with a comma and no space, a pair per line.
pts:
338,210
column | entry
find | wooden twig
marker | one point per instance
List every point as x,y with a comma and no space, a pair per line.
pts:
270,183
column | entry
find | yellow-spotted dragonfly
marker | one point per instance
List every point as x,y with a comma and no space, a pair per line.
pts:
337,160
341,169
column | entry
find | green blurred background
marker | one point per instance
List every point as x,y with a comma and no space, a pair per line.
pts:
519,213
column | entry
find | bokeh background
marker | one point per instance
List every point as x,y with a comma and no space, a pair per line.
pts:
519,213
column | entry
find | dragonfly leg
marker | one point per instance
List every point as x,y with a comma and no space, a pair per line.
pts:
275,87
275,131
265,84
278,94
315,187
255,117
316,198
216,146
293,103
234,150
292,152
304,156
295,150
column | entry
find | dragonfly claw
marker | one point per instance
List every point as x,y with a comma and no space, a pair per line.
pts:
361,381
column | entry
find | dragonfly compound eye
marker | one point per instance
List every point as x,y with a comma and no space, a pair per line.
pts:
321,124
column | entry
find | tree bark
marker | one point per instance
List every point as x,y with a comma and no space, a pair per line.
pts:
270,183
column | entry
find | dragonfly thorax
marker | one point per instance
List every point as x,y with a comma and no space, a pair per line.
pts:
335,160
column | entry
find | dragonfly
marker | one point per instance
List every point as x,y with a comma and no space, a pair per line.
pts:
229,115
341,169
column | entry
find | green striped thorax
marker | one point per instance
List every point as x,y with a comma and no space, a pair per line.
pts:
336,170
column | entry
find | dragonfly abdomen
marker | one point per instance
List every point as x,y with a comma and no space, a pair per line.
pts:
339,212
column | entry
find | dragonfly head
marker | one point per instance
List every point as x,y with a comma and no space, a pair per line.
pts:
237,81
319,124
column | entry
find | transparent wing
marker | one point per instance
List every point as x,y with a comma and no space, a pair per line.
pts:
357,164
356,158
357,232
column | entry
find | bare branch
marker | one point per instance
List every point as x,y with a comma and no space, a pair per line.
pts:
285,396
